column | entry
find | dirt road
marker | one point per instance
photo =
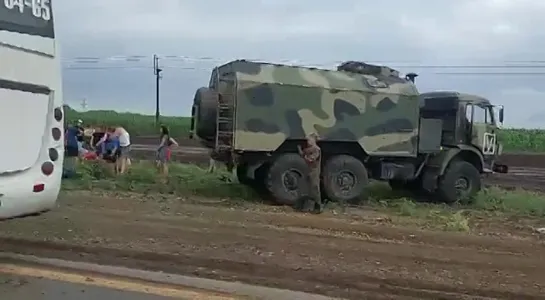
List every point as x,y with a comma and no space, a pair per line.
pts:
362,255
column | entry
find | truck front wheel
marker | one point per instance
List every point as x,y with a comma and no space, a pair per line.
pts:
460,183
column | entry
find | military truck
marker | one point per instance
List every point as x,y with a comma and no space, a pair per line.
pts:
372,123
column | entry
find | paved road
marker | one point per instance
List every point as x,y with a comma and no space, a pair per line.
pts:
38,278
30,288
30,282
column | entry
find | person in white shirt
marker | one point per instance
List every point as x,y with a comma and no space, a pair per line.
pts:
124,149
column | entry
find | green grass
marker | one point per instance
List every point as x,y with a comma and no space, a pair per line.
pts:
514,140
190,180
184,179
491,202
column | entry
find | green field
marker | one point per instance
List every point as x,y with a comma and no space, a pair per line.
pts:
136,124
514,140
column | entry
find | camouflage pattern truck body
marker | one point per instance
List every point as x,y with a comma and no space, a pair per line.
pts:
372,123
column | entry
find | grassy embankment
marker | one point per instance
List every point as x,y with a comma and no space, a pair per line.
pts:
515,140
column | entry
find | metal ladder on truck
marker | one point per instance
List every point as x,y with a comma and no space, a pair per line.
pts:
225,119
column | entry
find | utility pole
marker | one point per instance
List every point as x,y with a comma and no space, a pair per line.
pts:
157,72
84,104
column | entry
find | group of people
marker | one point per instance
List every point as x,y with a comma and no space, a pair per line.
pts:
112,144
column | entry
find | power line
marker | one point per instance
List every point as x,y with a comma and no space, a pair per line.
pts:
531,64
411,67
492,73
127,67
94,68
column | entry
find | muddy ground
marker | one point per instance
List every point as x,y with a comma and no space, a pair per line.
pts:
359,255
535,160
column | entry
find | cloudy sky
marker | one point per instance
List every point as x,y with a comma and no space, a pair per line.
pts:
192,36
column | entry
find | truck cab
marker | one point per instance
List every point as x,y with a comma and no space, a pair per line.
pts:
469,121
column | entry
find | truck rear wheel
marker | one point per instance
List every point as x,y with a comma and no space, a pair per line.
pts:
345,178
460,183
287,178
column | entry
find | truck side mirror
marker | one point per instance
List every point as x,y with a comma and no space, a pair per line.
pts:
501,115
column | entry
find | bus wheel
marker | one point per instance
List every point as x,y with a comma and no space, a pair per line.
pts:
460,183
344,178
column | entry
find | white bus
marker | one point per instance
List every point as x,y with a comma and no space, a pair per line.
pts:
31,112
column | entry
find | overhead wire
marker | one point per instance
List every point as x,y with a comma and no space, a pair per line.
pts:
185,63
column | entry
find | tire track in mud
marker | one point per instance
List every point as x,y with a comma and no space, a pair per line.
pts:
334,229
321,263
375,249
366,226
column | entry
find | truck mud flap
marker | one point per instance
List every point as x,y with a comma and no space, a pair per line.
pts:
430,175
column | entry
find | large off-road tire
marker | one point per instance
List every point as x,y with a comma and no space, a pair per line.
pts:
344,178
205,105
287,178
460,183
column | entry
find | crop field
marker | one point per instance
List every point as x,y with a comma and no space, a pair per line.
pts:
514,140
136,124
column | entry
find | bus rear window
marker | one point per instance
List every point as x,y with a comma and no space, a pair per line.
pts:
33,17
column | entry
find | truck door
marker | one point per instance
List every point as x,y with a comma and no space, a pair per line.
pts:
483,129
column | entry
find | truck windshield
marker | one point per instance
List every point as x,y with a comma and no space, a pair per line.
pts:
482,114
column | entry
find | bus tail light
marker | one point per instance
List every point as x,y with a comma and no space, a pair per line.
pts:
47,168
53,154
58,114
38,188
56,133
